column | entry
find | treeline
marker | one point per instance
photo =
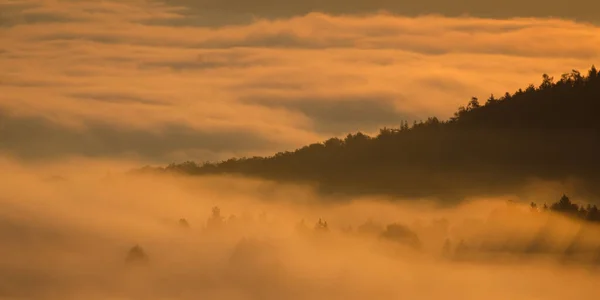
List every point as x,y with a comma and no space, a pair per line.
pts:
566,207
509,231
550,131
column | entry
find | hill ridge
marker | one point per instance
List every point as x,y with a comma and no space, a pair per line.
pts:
549,132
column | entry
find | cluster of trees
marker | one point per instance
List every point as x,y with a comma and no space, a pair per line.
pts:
565,206
460,249
549,132
515,232
394,232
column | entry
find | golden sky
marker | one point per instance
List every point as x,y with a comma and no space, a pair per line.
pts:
204,80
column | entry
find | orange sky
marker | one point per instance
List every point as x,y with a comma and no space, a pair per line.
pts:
128,78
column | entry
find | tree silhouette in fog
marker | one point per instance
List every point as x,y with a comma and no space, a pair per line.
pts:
216,220
136,255
401,234
454,245
369,228
549,132
184,223
322,226
566,207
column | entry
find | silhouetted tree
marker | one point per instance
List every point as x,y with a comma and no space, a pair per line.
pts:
593,214
401,234
184,223
491,100
321,226
136,255
547,82
564,205
216,220
473,104
533,207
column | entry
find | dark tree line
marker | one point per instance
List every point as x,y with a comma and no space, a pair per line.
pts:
565,206
550,131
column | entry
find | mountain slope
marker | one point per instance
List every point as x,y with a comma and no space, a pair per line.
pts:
547,132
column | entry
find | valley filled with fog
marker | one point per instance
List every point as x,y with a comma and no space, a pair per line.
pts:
267,150
70,231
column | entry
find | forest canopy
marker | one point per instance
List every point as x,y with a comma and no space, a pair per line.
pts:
547,132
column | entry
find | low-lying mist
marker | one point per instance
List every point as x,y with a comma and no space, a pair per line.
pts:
88,230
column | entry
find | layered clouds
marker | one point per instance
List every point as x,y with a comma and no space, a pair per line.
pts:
90,88
171,81
581,10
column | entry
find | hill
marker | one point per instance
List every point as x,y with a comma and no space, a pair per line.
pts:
549,132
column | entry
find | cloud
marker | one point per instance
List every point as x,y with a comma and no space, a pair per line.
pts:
36,138
20,12
343,113
116,98
120,71
7,19
582,10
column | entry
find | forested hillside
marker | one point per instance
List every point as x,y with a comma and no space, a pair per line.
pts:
549,132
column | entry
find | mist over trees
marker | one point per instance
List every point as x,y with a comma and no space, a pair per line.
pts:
548,132
512,230
152,236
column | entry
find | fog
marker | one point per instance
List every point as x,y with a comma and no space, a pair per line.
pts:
68,230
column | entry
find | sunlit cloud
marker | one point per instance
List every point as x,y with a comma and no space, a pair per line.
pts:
121,78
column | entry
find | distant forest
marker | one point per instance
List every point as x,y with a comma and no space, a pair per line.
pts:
548,132
566,207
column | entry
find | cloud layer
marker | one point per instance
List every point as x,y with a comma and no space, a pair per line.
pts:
136,79
582,10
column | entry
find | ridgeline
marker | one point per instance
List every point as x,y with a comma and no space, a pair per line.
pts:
548,132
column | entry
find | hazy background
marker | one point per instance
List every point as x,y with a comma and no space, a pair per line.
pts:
206,80
66,230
